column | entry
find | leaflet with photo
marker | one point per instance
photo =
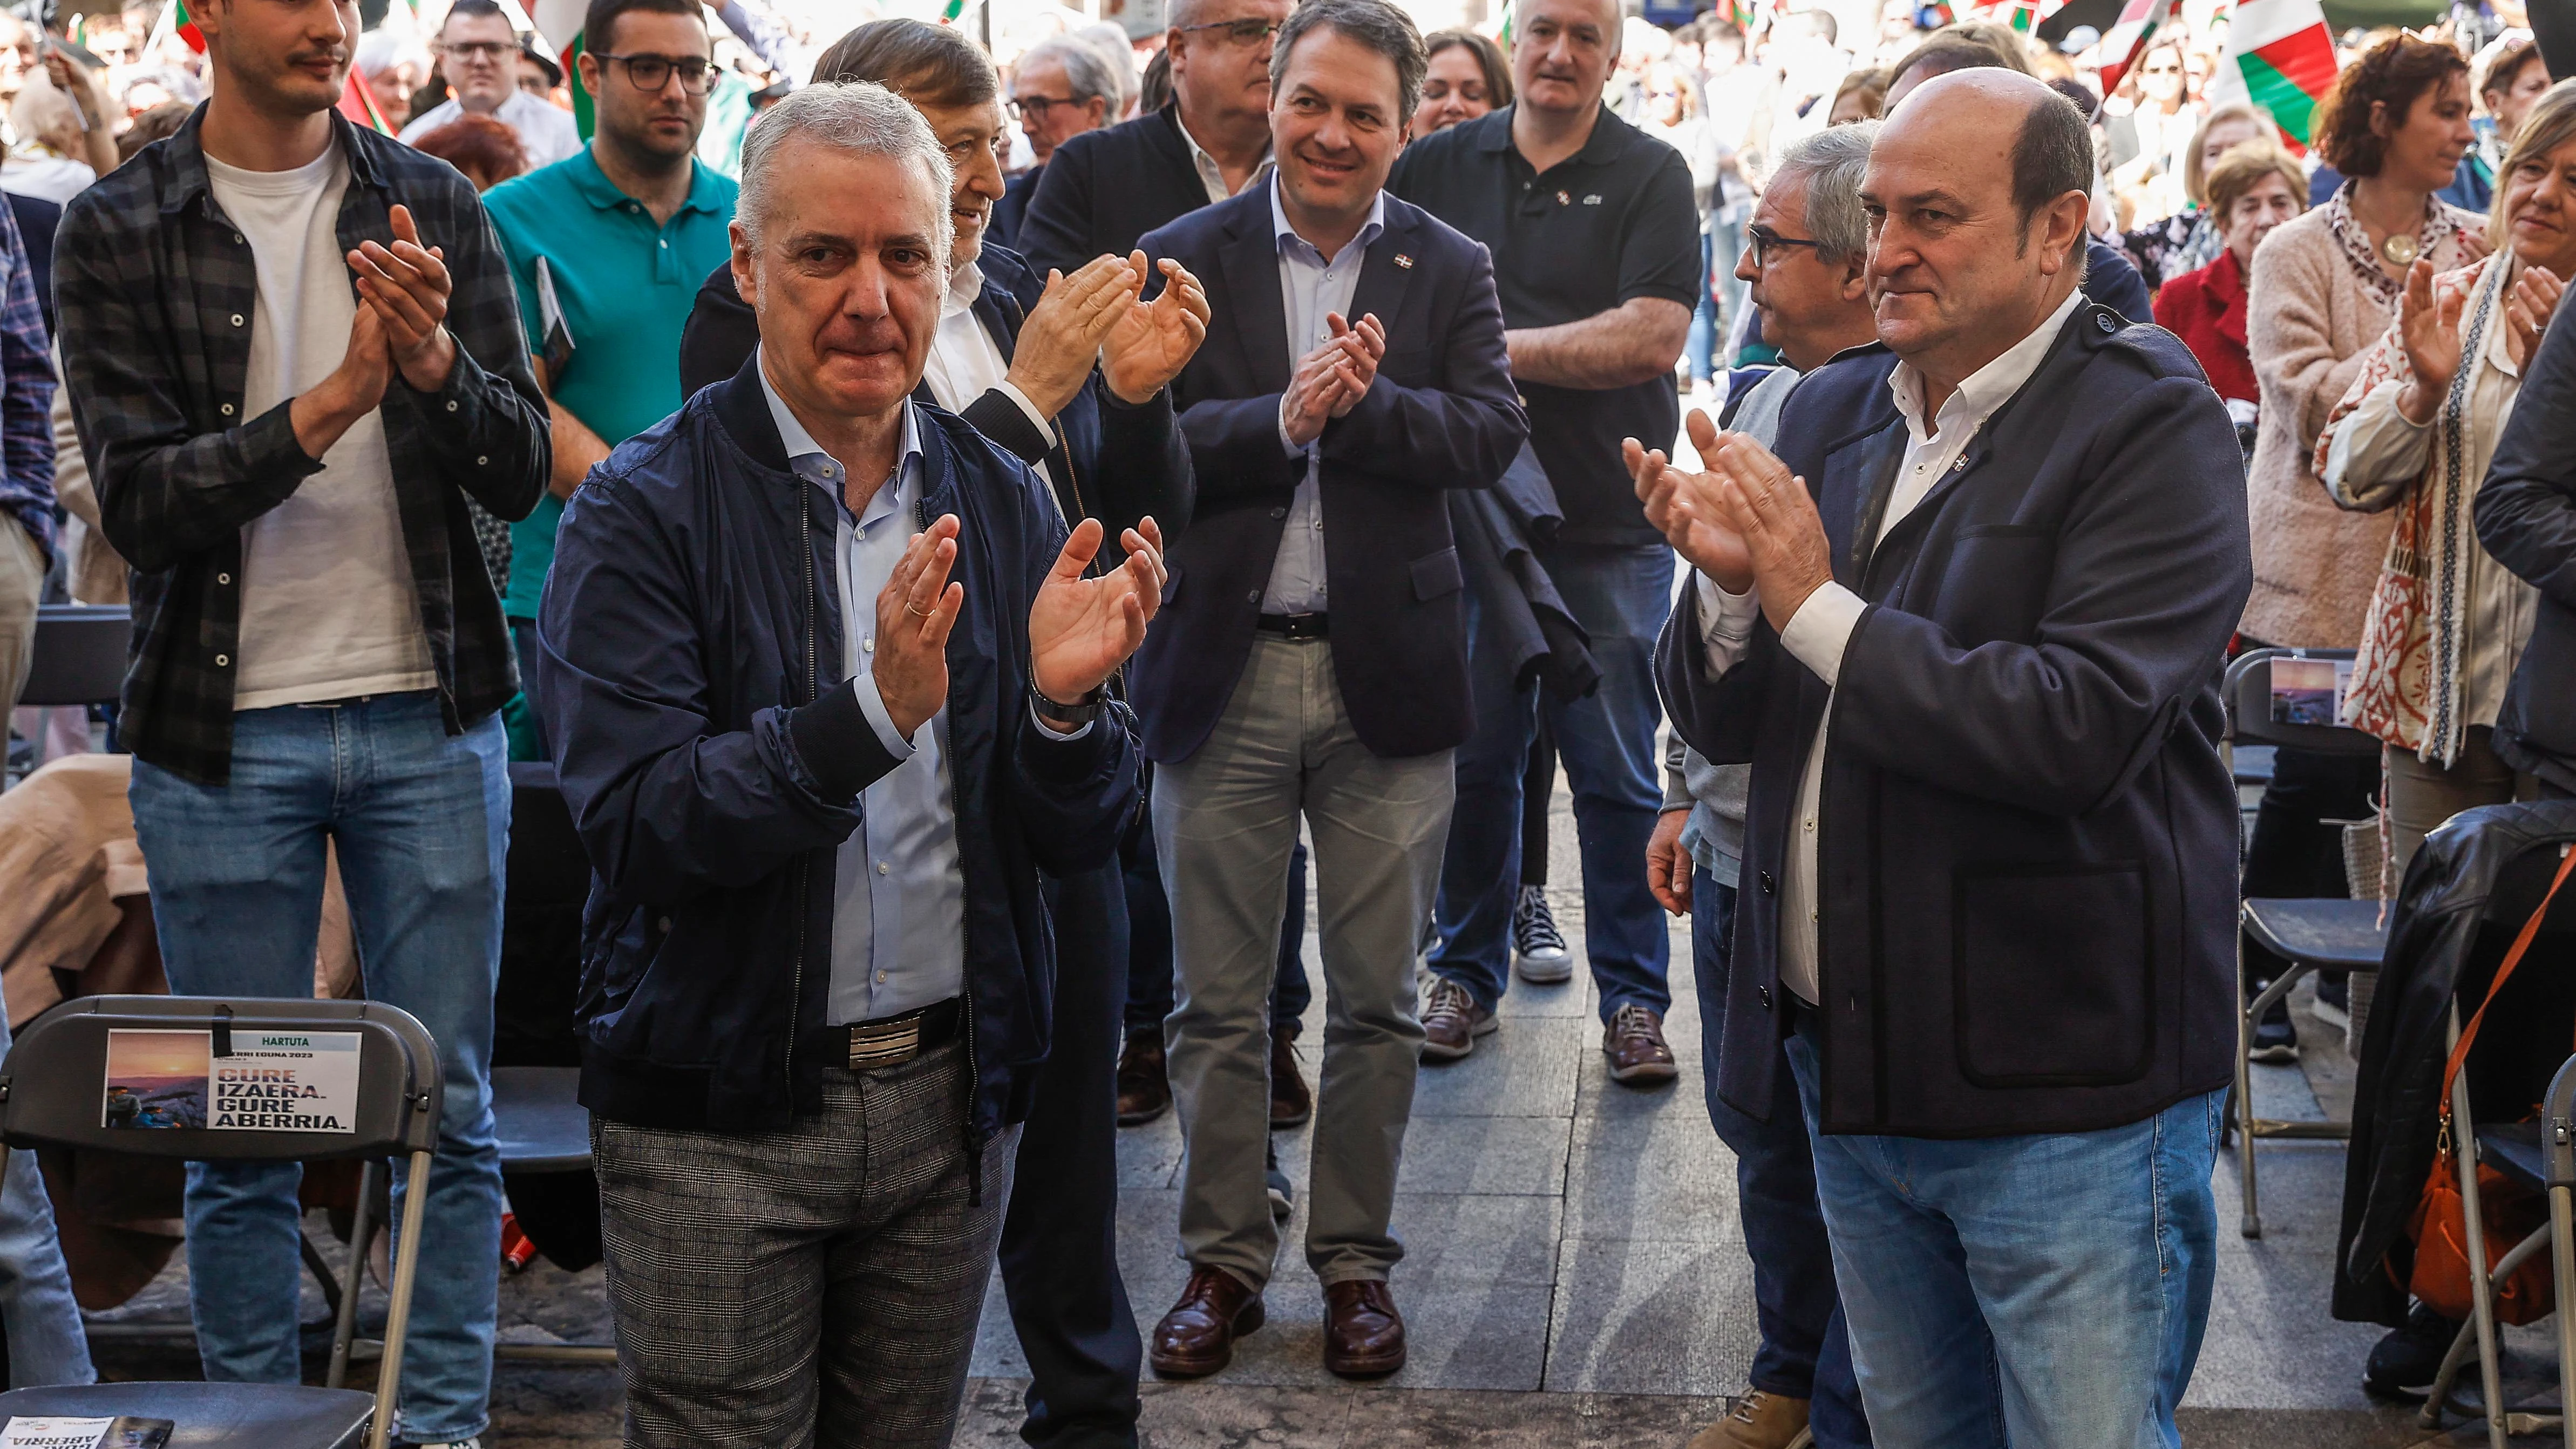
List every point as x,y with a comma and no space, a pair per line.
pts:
27,1432
274,1081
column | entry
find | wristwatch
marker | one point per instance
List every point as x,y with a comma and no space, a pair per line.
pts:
1068,717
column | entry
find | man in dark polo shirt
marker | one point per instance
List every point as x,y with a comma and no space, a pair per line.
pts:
1596,255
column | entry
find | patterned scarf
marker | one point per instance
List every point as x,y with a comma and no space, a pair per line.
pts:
2364,258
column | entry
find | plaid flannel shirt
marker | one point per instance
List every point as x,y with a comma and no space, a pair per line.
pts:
26,395
154,288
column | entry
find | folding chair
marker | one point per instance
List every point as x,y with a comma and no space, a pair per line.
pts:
2558,1168
2306,934
2523,1153
54,1091
79,655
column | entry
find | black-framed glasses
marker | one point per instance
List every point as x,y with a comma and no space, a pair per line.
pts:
1241,32
1764,239
491,50
652,72
1035,109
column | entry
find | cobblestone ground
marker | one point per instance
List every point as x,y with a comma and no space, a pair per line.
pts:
1575,1274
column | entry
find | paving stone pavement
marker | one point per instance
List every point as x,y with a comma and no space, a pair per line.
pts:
1575,1273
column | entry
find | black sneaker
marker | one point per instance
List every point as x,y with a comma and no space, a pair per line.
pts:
2275,1040
1281,1204
1538,948
2404,1364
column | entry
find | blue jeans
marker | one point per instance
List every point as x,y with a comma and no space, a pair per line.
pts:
1607,745
47,1346
2046,1291
1804,1353
422,823
1149,937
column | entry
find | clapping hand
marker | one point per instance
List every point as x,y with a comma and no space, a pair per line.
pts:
1062,336
2535,298
1366,344
1082,628
2428,328
1150,342
1683,506
1331,380
408,285
1770,510
915,610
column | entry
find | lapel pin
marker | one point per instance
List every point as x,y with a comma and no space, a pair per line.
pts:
1404,261
1562,199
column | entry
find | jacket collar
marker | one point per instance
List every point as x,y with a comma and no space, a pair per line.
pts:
740,404
185,160
1249,260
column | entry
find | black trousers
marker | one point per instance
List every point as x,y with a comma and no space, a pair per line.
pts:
1059,1253
2295,853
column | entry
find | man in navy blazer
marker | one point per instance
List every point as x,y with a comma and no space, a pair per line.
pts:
1966,627
1312,661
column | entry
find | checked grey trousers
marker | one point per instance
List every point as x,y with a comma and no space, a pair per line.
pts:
1224,822
817,1285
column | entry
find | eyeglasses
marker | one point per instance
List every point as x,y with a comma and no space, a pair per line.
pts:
1764,239
1035,108
479,49
652,72
1241,32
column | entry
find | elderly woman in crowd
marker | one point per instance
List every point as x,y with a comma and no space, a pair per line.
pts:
1467,78
2412,436
2253,189
2324,287
2189,239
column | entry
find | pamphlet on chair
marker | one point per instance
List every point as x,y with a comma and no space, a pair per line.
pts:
24,1432
273,1081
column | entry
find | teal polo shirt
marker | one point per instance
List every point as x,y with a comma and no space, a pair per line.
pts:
625,287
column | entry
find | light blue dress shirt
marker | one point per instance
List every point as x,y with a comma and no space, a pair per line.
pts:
1310,287
898,900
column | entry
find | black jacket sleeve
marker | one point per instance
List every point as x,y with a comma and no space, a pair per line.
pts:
721,333
2526,510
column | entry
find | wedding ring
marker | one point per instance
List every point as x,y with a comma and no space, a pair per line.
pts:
916,613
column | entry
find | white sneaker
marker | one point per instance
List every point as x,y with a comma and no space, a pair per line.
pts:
1538,947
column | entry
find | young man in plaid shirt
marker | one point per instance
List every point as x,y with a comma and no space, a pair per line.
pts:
294,355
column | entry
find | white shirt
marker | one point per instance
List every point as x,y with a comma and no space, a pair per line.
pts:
1211,175
965,363
546,130
328,610
1822,627
1309,288
47,178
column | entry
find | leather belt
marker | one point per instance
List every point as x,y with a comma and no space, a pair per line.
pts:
892,1040
1297,626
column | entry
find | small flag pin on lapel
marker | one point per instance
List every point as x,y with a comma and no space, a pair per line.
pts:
1563,199
1404,261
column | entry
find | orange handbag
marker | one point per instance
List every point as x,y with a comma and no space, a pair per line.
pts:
2508,1212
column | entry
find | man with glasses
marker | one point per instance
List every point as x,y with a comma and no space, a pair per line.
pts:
1805,265
607,249
478,57
1104,189
1061,88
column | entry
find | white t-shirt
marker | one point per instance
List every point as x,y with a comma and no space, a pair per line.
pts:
327,604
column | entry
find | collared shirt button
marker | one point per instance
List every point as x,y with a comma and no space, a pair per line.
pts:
868,645
451,405
482,462
228,410
884,869
222,660
223,578
1253,598
237,319
881,978
1811,822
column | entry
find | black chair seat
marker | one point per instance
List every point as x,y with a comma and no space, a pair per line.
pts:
79,655
2254,764
537,1114
2513,1148
2345,935
214,1416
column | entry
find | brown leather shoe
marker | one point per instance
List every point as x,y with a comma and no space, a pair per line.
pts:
1197,1337
1363,1334
1451,1021
1144,1085
1758,1421
1634,1040
1290,1102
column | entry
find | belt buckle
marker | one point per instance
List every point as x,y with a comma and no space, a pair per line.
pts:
885,1043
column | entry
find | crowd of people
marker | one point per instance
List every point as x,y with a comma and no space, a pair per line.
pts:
976,532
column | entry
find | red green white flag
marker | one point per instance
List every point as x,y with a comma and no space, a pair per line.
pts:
2138,23
175,20
558,27
358,103
2021,15
2280,56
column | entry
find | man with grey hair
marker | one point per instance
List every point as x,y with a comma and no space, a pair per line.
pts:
816,812
1806,267
1061,88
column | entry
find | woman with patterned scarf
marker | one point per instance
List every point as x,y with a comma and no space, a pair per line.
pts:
2414,432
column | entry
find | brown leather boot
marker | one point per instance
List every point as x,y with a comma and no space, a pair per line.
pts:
1290,1101
1363,1334
1758,1421
1634,1042
1197,1337
1144,1084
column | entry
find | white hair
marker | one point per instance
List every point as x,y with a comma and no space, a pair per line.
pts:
1086,70
383,48
858,117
